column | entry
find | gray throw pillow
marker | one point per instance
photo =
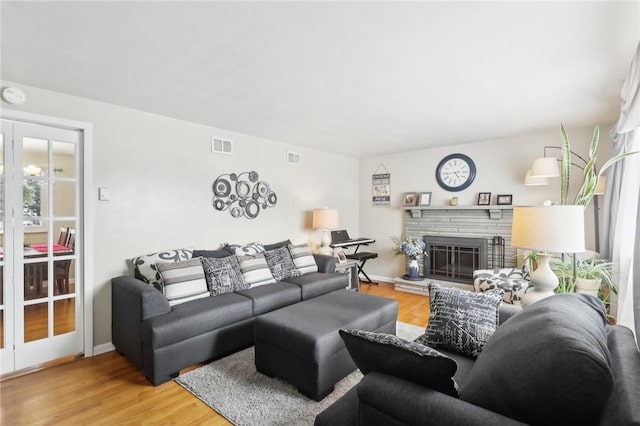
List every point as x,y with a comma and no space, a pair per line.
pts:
392,355
460,320
223,275
281,263
547,365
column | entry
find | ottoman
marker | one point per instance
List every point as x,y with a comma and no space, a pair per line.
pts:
301,344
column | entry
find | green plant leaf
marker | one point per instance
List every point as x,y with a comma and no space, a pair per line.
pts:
565,165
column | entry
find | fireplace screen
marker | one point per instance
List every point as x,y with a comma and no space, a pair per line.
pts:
454,258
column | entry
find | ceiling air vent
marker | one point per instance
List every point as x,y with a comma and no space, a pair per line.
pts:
294,158
223,146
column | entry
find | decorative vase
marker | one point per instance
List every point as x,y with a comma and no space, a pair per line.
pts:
587,286
413,270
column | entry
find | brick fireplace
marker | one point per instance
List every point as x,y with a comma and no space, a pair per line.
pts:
481,239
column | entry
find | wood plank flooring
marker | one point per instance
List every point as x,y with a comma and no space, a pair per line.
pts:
108,390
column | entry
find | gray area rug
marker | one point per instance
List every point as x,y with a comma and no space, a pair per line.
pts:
233,388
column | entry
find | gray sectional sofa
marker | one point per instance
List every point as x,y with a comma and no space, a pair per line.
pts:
161,339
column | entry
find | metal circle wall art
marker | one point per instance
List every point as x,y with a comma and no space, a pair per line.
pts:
242,194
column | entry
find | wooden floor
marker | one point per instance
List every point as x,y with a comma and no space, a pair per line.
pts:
108,390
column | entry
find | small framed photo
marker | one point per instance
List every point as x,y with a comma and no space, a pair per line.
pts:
424,199
338,253
504,199
409,199
484,198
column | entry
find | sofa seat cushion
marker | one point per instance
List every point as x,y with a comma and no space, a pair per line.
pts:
267,298
547,365
195,318
318,283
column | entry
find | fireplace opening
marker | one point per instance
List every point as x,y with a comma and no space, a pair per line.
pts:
454,258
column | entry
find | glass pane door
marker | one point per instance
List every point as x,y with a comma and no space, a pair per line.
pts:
46,231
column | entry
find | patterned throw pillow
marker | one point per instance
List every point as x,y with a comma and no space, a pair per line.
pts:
303,258
183,281
255,270
223,275
461,321
281,264
146,265
245,249
392,355
513,281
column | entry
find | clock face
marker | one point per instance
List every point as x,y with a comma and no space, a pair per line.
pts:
455,172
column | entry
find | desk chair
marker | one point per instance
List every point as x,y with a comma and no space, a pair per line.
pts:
362,258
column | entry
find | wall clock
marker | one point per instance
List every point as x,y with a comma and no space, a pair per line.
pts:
455,172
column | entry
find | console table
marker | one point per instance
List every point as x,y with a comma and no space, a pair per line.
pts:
350,267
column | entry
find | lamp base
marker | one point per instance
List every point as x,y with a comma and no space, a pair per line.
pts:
543,280
324,244
325,250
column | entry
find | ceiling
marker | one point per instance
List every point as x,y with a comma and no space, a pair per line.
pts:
354,78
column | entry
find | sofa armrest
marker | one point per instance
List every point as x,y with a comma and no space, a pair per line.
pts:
132,302
385,399
325,263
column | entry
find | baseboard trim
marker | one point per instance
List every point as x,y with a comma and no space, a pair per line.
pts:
103,349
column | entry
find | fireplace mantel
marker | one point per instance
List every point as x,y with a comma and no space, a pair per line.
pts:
494,212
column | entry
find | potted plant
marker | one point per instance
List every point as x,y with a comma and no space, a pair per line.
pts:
592,276
412,248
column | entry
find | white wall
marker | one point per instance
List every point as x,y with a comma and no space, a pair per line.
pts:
501,166
160,171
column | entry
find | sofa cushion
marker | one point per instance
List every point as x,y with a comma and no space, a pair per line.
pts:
303,258
255,270
389,354
223,275
271,297
195,318
145,265
318,283
547,365
461,320
279,244
281,264
183,281
212,253
244,249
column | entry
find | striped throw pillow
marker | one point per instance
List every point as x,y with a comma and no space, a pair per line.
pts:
145,266
255,270
183,281
303,258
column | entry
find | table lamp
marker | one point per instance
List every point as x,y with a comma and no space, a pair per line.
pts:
325,219
548,229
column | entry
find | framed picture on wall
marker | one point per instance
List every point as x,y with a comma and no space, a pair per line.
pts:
424,199
409,199
484,198
504,199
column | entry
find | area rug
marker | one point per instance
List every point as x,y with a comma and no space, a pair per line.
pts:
233,388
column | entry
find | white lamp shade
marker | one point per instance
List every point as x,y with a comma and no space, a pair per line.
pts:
545,167
535,180
551,229
325,219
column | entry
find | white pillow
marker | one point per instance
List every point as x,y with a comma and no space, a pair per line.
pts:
303,258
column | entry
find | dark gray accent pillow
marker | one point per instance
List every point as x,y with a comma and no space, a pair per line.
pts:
281,263
284,243
461,321
212,253
223,275
392,355
547,365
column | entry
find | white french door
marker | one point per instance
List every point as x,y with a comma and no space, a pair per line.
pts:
41,287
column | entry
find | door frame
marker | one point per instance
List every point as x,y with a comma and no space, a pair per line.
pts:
87,206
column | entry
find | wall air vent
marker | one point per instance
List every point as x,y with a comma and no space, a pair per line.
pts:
294,158
222,146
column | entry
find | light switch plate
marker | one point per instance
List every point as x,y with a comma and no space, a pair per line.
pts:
104,194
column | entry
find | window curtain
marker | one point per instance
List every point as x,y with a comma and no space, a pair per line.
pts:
621,232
